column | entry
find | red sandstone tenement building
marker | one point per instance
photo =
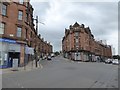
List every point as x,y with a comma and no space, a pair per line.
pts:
79,44
17,33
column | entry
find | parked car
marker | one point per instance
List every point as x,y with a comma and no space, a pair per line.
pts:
44,57
52,55
115,62
49,58
108,61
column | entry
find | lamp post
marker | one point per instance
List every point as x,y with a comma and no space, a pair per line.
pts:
36,19
36,24
35,42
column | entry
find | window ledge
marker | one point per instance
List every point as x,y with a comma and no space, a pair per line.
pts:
4,16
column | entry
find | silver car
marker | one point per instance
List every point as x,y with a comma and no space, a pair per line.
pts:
115,62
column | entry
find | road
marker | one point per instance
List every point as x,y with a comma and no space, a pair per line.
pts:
62,73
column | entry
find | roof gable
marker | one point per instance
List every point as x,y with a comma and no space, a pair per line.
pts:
76,25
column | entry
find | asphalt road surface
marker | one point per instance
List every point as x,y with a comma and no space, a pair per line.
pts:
62,73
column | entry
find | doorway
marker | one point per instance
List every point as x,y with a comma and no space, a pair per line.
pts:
13,55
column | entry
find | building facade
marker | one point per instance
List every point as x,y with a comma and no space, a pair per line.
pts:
17,33
79,44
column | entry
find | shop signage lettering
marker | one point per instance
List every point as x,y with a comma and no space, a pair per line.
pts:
7,40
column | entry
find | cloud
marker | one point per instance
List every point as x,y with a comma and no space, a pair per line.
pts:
101,17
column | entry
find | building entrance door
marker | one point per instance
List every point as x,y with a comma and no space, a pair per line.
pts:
77,56
13,55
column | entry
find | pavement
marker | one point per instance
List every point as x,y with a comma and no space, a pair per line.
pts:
30,66
64,73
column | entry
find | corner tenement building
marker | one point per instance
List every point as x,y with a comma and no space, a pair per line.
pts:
79,44
18,37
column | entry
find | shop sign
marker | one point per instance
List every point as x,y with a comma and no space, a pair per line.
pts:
7,40
29,50
14,47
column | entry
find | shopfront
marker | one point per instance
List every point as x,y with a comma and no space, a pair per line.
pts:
77,56
9,50
85,56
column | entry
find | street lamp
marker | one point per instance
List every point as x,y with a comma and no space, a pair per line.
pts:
36,19
36,37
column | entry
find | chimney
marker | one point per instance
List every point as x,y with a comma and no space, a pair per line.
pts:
70,27
82,25
39,36
42,39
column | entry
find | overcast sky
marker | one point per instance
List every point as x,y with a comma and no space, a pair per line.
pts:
101,17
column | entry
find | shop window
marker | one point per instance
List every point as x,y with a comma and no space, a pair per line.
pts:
3,58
